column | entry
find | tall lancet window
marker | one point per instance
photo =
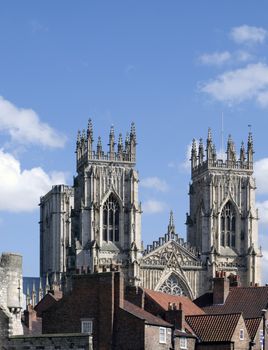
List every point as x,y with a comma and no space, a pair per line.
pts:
111,211
228,223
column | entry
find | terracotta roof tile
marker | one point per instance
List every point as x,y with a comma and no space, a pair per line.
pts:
144,315
247,300
252,325
214,328
163,299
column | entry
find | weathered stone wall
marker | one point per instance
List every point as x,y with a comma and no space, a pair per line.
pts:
51,342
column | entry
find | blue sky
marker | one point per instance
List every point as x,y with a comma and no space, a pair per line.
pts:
172,67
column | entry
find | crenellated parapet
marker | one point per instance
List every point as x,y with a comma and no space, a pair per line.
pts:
125,152
204,159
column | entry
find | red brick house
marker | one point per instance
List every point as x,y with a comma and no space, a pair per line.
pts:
220,332
251,302
96,305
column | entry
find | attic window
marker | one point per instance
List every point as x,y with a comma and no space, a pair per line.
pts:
241,334
162,335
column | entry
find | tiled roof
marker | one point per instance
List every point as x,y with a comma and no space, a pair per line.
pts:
144,315
214,328
246,300
163,299
252,325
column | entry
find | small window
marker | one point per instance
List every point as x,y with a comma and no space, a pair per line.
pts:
241,334
87,326
162,335
183,343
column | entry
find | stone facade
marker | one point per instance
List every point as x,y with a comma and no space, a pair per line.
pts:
105,218
10,295
51,342
222,223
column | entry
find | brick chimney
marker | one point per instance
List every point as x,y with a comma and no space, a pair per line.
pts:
221,288
175,315
135,295
29,316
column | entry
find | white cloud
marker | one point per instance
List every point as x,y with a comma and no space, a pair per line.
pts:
25,127
249,35
154,183
243,56
264,267
153,206
239,85
261,175
21,189
215,58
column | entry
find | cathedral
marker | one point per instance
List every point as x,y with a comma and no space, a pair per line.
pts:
95,225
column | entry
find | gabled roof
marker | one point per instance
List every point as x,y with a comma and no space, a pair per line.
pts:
144,315
214,328
163,300
250,301
253,325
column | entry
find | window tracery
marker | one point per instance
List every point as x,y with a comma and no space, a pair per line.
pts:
111,212
172,286
228,225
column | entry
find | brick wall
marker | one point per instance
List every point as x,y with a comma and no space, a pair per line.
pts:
93,296
152,338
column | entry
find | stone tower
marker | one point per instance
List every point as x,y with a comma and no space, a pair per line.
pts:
106,220
222,222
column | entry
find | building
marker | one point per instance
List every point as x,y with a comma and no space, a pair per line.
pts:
96,224
10,295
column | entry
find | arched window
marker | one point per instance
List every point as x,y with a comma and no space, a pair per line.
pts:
110,221
228,224
172,286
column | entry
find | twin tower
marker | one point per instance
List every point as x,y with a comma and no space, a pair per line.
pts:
95,225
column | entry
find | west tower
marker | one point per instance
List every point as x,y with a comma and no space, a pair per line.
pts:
106,220
222,222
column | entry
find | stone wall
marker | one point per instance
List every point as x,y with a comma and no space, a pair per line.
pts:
51,342
10,295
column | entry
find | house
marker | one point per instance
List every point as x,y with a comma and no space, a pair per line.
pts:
251,302
226,331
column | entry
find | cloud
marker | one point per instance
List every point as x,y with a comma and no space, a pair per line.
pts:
261,175
248,35
154,183
21,189
153,206
236,86
25,127
215,58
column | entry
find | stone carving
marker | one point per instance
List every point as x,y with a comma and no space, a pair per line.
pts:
172,286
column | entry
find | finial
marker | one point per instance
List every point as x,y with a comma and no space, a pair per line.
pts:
78,137
90,129
209,135
194,146
133,131
112,131
171,226
99,148
83,137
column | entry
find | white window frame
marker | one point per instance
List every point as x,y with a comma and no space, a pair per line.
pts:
87,326
241,334
162,335
183,343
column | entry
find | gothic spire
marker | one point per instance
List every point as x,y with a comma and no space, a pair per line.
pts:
250,150
200,152
90,130
171,226
193,154
132,142
99,148
111,143
209,146
242,153
231,154
120,147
